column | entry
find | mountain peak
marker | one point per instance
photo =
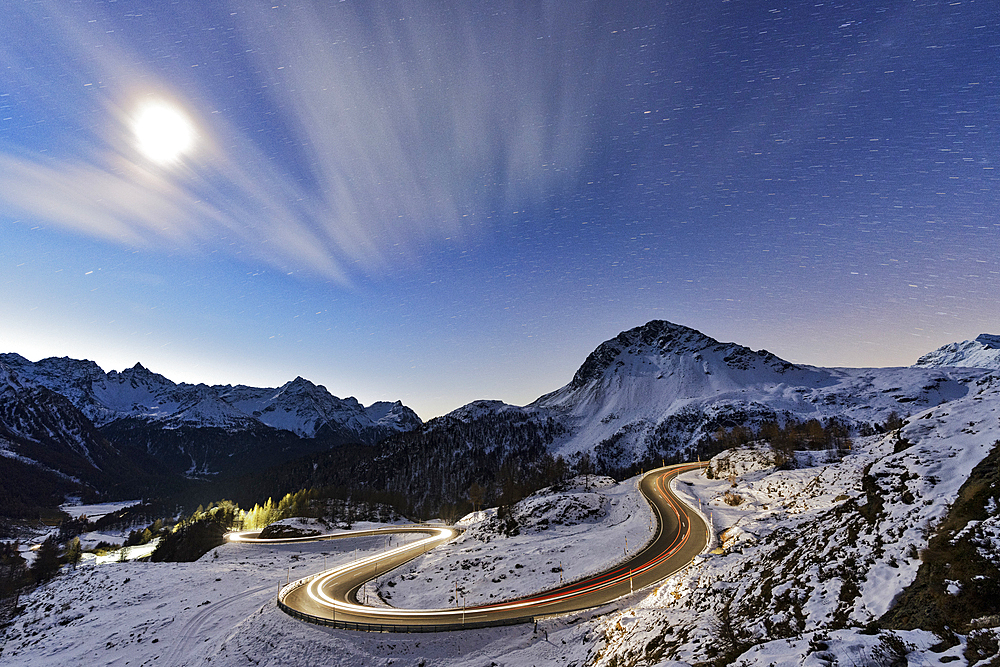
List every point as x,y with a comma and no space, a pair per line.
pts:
661,338
659,333
989,341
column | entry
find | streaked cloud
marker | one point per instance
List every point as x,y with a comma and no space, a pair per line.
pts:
388,122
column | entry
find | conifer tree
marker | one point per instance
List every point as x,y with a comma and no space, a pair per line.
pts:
46,563
74,552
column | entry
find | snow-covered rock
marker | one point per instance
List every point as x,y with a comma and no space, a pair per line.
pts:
295,527
741,460
983,352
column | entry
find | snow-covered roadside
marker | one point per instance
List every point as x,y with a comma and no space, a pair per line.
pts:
220,609
161,613
581,529
812,551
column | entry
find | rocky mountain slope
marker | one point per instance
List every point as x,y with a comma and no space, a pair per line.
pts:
662,386
983,352
660,391
50,450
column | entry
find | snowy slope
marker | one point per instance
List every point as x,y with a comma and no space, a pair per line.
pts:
561,536
983,352
808,559
220,610
138,392
50,449
811,552
70,377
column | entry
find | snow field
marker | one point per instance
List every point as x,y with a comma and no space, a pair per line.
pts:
140,613
220,610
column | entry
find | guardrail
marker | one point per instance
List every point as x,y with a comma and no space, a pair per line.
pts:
392,627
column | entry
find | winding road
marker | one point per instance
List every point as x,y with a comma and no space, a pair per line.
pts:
330,597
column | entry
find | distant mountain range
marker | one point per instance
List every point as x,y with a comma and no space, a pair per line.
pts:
299,406
656,392
75,430
49,451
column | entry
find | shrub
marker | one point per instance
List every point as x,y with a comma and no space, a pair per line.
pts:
732,498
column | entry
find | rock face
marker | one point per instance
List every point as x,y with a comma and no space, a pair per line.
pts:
983,352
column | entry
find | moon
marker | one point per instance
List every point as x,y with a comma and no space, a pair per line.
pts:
163,132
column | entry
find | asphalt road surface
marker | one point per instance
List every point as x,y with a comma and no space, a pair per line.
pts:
330,598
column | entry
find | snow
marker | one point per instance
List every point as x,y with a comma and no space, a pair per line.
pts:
663,375
983,352
298,406
849,647
562,536
786,548
801,563
96,511
220,610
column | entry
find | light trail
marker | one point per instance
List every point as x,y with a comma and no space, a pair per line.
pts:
330,597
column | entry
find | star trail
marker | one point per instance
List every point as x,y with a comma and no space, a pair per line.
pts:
443,201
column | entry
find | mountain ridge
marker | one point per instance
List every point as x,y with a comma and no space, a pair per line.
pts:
298,406
982,352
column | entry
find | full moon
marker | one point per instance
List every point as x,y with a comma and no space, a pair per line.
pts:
163,133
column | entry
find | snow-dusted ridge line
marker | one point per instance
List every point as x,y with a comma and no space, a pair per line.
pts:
298,406
330,597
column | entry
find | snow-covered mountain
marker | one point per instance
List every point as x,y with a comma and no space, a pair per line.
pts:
888,555
308,409
299,406
983,352
659,392
663,387
49,449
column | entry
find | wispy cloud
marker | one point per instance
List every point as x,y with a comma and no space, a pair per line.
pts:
389,124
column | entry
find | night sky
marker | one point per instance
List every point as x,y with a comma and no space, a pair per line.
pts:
443,201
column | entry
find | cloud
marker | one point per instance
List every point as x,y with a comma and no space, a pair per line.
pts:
350,132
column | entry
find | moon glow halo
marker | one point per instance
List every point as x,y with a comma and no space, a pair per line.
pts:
163,133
